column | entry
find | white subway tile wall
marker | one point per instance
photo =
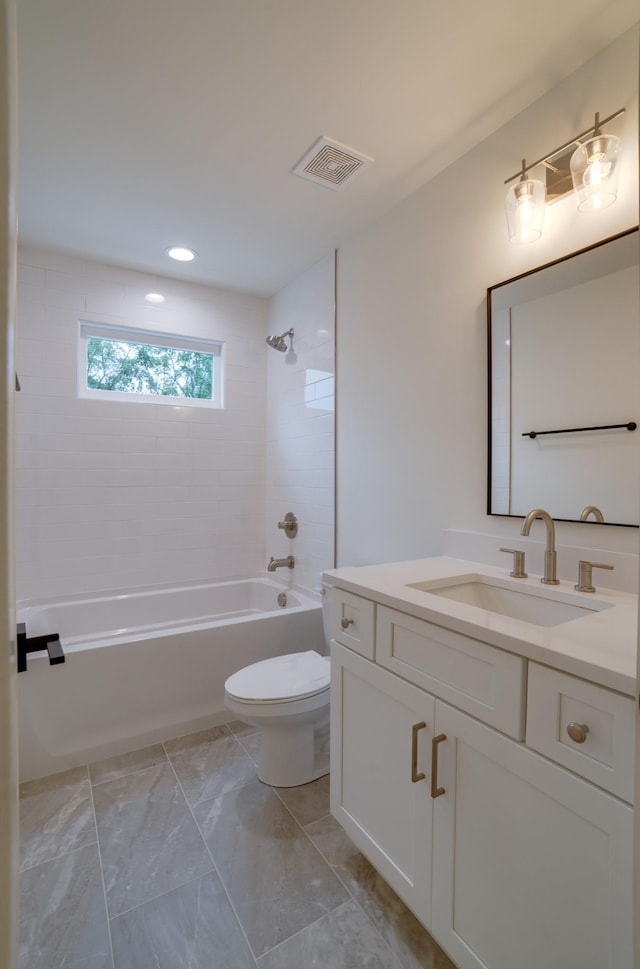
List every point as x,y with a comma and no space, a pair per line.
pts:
116,495
300,423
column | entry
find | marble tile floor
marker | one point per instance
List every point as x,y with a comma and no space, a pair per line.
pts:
177,857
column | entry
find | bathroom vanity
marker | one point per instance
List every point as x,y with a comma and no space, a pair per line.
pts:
482,756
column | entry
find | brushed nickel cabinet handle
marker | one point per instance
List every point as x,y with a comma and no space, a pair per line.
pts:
415,776
345,623
435,790
578,732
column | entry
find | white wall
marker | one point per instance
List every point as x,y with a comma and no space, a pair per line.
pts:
300,424
113,494
412,425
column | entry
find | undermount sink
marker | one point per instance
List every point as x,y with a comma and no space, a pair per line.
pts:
542,608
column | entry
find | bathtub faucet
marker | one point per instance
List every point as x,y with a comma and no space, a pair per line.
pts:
274,564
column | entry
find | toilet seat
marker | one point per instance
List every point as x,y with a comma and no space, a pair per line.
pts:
281,679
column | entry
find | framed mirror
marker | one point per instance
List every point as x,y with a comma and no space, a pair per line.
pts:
564,387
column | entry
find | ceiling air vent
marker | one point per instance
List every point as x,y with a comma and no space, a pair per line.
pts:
331,164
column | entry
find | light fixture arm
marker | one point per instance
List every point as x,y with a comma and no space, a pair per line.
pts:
593,130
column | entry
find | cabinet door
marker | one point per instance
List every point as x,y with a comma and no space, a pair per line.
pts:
531,865
381,731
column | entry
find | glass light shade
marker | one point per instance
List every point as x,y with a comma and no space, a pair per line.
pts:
595,168
524,205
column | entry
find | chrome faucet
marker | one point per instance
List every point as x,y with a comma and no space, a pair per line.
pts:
274,564
591,510
550,557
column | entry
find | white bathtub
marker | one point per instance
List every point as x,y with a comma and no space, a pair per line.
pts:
146,665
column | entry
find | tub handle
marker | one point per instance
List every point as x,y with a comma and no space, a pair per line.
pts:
289,525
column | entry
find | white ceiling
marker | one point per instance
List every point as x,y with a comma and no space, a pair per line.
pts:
146,123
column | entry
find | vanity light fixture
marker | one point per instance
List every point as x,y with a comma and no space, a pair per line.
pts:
525,208
588,165
595,167
181,253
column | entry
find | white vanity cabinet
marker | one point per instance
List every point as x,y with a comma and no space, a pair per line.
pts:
381,734
521,860
351,622
582,726
532,866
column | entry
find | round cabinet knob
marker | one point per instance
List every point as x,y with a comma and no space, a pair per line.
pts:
345,623
578,732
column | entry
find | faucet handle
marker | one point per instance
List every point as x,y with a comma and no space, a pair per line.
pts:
585,579
290,524
518,563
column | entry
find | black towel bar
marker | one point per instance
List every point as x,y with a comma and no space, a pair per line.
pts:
630,426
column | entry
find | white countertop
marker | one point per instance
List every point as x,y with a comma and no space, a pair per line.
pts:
600,647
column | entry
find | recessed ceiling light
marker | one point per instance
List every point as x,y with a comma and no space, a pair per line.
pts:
181,253
154,298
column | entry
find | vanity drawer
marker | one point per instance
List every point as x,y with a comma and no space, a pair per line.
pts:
604,752
480,679
352,620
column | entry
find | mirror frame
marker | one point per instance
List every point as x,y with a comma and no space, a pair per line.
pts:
490,290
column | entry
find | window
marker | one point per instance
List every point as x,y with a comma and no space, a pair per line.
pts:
123,363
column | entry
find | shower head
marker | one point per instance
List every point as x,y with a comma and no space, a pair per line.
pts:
279,342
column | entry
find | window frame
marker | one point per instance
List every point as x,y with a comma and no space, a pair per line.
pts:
157,338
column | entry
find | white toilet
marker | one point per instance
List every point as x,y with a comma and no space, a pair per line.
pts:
287,697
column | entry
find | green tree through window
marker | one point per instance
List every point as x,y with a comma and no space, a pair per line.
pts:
141,368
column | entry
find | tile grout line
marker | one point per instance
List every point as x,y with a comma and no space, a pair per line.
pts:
64,854
190,880
155,898
377,931
134,770
350,893
203,800
289,810
320,918
111,918
310,839
301,827
297,822
120,777
337,876
215,867
242,746
104,887
186,801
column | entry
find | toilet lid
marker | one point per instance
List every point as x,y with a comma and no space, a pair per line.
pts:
294,676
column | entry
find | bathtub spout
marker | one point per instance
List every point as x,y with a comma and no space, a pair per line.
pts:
274,564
